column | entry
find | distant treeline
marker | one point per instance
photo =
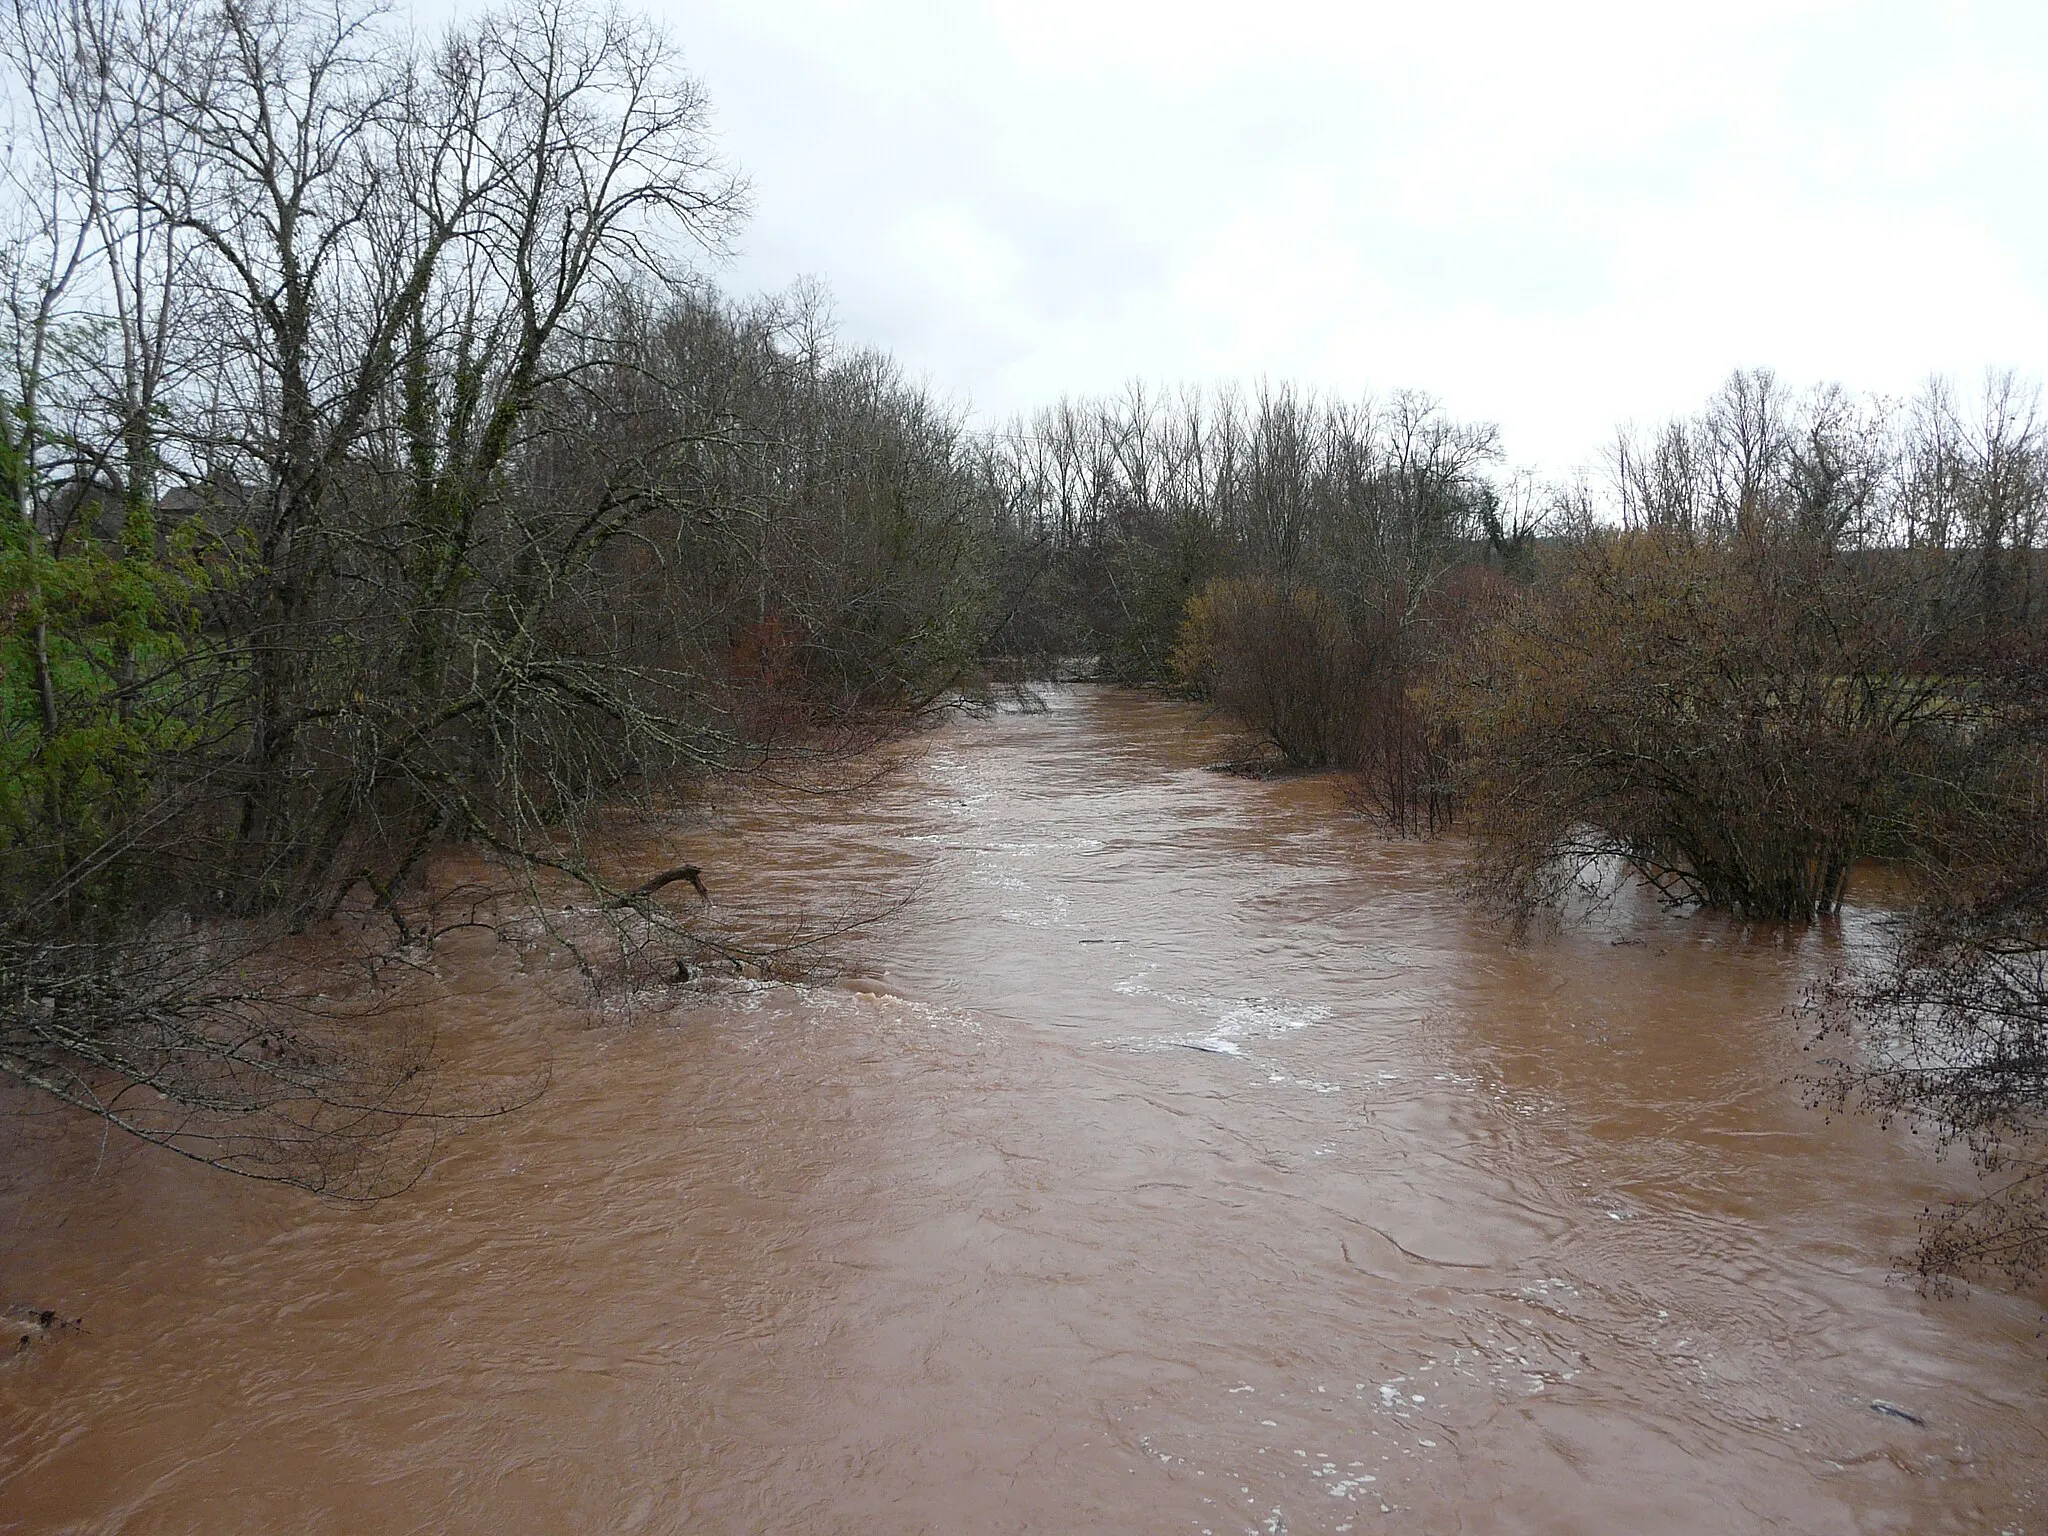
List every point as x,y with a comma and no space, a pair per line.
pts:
1578,674
384,476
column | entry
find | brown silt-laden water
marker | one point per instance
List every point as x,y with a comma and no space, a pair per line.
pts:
1192,1161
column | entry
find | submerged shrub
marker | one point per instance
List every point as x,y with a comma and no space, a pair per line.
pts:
1737,720
1283,662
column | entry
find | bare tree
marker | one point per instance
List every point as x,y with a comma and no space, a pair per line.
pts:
295,301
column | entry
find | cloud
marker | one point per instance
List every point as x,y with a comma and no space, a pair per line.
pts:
1554,216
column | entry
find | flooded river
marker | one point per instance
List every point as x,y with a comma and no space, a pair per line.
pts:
1190,1161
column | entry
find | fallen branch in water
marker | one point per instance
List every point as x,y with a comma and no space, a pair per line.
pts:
684,872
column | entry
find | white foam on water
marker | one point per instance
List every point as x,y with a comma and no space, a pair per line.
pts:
1262,1016
1238,1020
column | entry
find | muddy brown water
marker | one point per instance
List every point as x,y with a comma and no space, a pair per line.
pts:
1191,1162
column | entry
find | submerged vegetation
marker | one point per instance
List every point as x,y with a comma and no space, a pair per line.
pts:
383,478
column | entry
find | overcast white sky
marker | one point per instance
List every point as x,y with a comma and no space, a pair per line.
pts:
1552,215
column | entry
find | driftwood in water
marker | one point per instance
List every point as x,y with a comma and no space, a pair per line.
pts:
688,873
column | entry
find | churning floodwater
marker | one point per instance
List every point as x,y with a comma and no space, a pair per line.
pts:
1188,1160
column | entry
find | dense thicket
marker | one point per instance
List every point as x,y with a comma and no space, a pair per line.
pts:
378,479
1729,685
1761,662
